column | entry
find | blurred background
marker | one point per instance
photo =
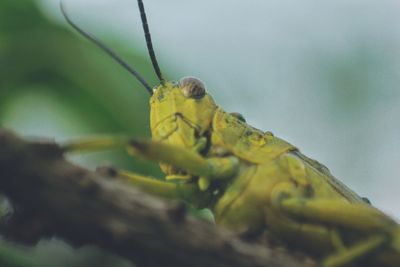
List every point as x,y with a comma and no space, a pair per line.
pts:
323,76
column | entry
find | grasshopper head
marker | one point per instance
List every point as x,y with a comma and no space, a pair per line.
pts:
181,114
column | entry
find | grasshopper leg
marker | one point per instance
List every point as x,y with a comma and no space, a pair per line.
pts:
152,185
183,158
148,184
186,159
360,249
380,229
356,216
96,143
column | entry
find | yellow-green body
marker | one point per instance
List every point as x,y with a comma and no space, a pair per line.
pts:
254,182
267,162
248,202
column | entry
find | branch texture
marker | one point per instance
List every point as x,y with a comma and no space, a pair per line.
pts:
53,197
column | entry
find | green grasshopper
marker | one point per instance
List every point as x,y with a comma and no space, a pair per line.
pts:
253,182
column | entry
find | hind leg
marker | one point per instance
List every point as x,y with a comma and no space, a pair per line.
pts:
356,251
379,229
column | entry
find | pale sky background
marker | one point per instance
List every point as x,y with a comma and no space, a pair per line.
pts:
276,63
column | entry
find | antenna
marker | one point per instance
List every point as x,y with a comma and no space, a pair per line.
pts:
149,43
106,49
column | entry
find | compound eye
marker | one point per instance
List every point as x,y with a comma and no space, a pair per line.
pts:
192,87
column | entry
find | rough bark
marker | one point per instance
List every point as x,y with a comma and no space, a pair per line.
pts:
53,197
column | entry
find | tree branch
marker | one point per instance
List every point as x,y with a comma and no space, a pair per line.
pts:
53,197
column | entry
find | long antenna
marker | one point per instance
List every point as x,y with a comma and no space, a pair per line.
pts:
106,49
149,43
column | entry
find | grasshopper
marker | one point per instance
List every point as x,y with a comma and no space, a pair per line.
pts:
252,181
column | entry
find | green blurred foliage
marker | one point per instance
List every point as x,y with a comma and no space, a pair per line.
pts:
54,83
61,86
11,256
64,85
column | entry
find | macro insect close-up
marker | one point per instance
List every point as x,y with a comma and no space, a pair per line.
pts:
255,183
